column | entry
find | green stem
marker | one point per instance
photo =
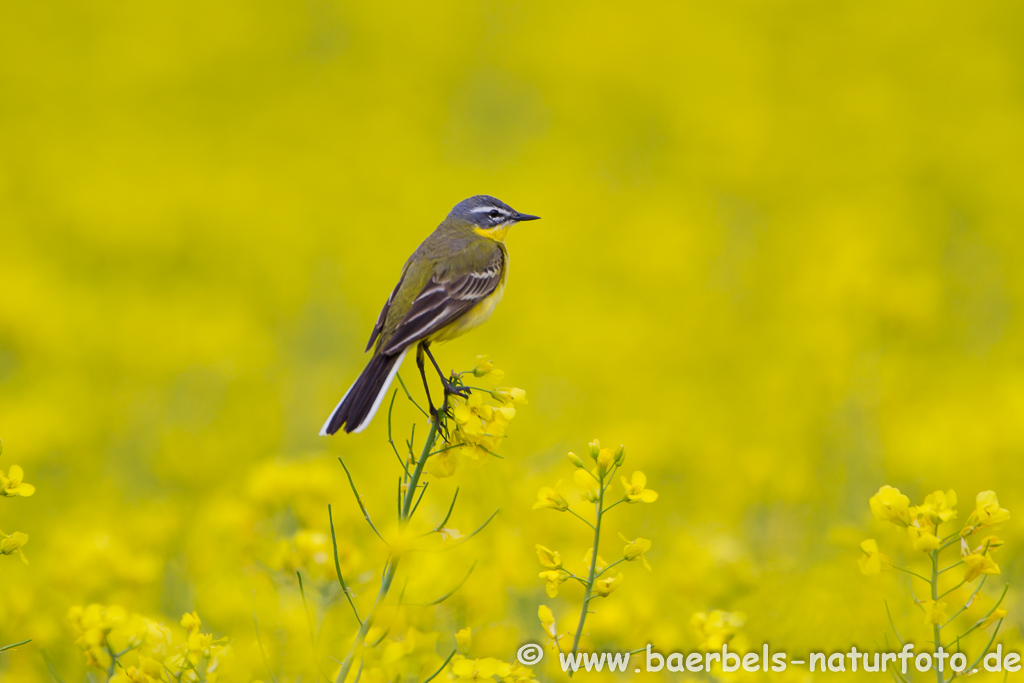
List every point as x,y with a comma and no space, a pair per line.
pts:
405,512
580,517
618,561
912,573
936,629
592,575
385,586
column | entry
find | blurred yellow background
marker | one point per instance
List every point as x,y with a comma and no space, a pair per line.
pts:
779,259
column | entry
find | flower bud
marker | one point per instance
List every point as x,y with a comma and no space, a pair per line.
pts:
483,366
620,455
595,448
575,459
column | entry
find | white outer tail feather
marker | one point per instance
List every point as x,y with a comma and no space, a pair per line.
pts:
376,403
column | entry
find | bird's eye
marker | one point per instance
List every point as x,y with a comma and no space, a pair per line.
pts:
495,214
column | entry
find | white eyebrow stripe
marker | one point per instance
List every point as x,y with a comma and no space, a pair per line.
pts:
483,209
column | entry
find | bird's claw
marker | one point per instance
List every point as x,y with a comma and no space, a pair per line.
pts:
453,389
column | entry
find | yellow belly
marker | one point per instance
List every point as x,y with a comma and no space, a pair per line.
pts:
472,318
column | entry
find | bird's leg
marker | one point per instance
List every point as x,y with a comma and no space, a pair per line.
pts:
449,388
421,364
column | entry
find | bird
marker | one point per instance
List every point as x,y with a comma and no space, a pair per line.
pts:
450,285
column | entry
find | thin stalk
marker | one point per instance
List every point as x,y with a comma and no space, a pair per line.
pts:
14,645
385,586
359,500
337,567
936,629
405,511
450,508
912,573
592,574
438,672
616,562
580,517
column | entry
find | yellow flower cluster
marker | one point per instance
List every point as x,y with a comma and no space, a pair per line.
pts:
489,669
128,648
594,482
13,484
923,524
718,627
307,550
480,421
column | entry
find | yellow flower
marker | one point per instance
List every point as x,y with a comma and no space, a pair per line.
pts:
485,367
464,638
872,562
987,511
589,482
512,395
191,622
92,626
923,539
480,669
519,674
978,564
996,615
445,463
553,579
717,627
599,566
635,549
605,461
309,550
636,489
934,612
480,426
937,506
10,545
551,559
14,485
605,587
889,505
148,670
547,621
990,543
548,497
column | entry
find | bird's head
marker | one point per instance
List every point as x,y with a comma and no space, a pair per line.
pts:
488,216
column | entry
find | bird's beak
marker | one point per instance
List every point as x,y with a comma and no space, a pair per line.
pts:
520,217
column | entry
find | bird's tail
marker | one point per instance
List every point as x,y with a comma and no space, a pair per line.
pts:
360,403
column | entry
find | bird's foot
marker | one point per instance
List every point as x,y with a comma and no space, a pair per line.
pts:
452,389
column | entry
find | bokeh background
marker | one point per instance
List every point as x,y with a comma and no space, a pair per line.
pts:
780,261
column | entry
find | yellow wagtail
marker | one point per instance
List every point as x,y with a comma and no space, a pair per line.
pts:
450,284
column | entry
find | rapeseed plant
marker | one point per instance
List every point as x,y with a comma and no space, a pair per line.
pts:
953,562
465,430
12,485
129,648
596,578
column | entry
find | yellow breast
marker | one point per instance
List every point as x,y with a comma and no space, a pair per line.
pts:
473,317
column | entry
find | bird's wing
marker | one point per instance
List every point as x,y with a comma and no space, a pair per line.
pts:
379,326
446,296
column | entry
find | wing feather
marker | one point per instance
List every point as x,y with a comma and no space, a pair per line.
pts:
379,325
445,297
